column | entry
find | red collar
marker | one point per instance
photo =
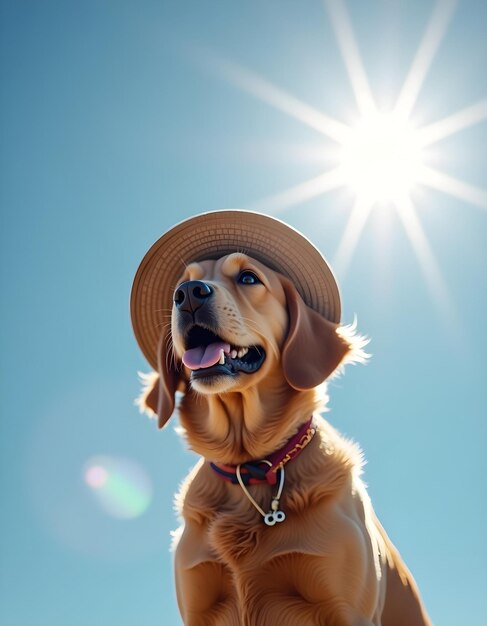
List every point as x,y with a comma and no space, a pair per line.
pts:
264,471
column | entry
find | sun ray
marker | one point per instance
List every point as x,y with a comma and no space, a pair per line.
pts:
393,143
426,258
342,27
257,86
425,54
300,193
453,186
454,123
348,243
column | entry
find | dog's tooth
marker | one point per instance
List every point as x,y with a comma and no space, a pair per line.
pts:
244,351
233,354
240,353
222,359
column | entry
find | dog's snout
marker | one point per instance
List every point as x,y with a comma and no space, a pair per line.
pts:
191,295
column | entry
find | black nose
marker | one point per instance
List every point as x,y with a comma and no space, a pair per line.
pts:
191,295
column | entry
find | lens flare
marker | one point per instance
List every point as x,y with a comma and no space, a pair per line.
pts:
96,476
120,486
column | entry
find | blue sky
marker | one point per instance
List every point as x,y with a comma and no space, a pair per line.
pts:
119,119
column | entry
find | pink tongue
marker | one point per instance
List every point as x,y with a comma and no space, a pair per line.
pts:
205,356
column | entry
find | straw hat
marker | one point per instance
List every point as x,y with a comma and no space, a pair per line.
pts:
215,234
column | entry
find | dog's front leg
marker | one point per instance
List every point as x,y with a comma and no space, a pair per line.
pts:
204,587
206,596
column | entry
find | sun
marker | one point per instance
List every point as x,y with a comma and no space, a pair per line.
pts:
382,158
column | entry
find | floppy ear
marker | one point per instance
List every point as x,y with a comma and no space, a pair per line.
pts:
157,397
313,349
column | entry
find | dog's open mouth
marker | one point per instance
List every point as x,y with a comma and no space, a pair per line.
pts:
207,354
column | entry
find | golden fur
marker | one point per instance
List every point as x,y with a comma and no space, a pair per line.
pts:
330,562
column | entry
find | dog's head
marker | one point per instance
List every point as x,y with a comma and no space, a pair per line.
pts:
237,324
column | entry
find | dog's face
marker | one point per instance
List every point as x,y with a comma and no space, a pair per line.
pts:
229,321
237,325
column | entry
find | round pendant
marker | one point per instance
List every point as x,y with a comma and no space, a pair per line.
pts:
274,517
269,519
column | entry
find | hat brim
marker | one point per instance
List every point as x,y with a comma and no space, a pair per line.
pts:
211,236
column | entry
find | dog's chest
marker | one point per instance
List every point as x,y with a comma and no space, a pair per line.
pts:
234,532
232,529
237,543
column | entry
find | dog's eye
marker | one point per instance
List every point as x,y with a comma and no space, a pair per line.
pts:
248,278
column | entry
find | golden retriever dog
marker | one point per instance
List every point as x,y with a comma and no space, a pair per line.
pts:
305,547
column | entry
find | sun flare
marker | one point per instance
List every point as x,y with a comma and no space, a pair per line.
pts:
381,160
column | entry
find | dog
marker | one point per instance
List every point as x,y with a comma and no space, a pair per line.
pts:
278,529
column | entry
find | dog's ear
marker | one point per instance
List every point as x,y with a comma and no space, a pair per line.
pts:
160,387
313,348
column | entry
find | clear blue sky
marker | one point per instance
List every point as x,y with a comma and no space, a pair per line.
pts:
119,119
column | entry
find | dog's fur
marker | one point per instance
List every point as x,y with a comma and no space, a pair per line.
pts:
330,562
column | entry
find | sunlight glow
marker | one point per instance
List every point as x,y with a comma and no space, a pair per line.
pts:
428,47
426,258
355,225
323,183
264,90
452,124
454,187
351,56
382,158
